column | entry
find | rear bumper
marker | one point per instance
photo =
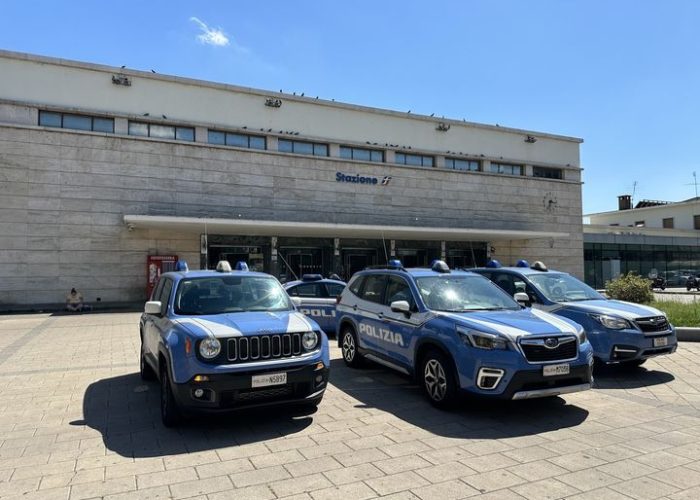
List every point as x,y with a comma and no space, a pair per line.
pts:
232,391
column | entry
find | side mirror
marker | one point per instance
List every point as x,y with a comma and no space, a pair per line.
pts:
153,307
522,299
401,306
296,301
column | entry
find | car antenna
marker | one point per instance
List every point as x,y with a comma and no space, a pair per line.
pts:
386,256
288,266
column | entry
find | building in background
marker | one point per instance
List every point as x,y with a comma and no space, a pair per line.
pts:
102,168
653,237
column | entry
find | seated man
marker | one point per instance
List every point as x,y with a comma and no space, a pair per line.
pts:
74,301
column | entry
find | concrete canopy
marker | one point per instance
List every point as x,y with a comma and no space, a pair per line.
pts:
328,230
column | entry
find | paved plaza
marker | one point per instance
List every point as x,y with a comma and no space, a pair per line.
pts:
76,422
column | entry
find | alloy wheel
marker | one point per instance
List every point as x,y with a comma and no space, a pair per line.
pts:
435,380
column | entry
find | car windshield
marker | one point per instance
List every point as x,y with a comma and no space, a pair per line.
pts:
228,294
559,287
463,293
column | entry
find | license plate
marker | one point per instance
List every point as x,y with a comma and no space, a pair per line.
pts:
552,370
660,341
269,379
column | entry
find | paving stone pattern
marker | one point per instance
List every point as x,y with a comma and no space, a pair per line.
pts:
78,423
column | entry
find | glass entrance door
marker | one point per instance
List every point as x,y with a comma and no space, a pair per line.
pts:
357,260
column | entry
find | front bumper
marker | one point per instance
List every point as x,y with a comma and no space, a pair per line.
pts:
613,347
231,391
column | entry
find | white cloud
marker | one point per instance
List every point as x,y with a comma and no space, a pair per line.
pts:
210,36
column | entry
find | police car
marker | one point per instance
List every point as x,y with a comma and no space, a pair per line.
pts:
221,340
620,332
457,332
317,298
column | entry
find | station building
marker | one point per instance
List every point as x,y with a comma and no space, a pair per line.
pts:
106,172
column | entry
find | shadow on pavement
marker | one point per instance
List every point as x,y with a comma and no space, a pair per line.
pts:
475,418
621,377
126,411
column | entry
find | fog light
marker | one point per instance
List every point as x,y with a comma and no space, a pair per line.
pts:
198,393
201,378
488,378
319,366
319,378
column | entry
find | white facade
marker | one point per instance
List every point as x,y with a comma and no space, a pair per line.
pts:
681,213
85,208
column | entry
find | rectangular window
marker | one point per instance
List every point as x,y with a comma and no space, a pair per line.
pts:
668,223
302,148
696,221
506,169
216,137
161,131
361,154
547,173
639,223
461,164
76,122
413,160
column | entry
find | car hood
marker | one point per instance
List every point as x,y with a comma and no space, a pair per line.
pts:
626,310
514,324
246,323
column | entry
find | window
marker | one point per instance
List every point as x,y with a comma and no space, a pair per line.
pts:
373,288
668,223
161,131
506,168
361,154
307,290
237,140
356,285
413,160
302,148
547,173
398,289
76,122
639,223
334,289
165,296
460,164
696,221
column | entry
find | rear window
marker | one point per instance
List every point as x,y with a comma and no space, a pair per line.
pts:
308,290
356,285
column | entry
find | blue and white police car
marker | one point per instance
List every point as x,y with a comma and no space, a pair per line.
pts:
316,297
457,332
620,332
222,340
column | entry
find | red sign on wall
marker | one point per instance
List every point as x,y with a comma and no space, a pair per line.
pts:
155,266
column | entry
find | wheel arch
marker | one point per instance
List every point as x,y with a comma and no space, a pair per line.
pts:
344,322
426,345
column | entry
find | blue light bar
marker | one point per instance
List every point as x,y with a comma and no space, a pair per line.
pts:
522,263
493,263
241,266
181,265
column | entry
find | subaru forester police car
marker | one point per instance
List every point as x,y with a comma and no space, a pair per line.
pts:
620,332
457,332
317,298
222,340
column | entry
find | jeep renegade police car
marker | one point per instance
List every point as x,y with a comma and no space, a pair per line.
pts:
221,340
317,296
456,331
620,332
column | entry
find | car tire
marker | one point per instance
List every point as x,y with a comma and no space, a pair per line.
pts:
145,369
348,347
438,379
169,411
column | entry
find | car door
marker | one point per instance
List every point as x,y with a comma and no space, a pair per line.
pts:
369,313
316,304
148,329
160,324
404,327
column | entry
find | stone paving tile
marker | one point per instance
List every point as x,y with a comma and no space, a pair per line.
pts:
352,491
396,482
493,480
644,488
354,473
548,489
301,484
361,457
401,464
449,490
534,471
627,469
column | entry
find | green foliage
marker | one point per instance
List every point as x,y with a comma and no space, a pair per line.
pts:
680,313
630,287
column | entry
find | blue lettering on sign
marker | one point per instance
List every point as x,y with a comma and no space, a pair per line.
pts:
357,179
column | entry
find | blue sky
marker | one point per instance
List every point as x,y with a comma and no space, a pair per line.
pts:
623,75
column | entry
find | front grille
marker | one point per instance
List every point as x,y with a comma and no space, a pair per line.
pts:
243,349
536,350
653,324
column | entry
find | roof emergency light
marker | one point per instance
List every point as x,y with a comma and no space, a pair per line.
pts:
394,263
440,266
522,263
181,265
539,266
241,266
311,277
493,263
223,267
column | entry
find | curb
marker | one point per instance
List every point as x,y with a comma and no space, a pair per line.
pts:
688,334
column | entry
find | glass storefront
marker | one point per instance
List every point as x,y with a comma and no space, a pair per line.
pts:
605,261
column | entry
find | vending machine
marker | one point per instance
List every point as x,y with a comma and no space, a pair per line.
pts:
155,266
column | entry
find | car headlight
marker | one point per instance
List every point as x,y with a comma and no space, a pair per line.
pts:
309,340
611,322
209,348
482,340
581,334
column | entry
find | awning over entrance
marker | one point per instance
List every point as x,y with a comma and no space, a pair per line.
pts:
327,230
